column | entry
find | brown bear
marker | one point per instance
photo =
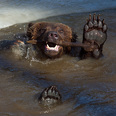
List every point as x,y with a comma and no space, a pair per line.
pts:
55,39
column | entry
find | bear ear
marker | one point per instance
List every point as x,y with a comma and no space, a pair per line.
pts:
29,30
30,24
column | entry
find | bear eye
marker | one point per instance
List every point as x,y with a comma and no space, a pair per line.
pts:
61,31
42,30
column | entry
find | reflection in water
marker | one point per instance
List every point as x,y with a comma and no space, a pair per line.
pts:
87,86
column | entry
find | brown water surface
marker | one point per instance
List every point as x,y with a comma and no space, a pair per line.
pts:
88,87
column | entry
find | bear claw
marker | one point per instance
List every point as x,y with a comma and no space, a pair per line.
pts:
95,23
50,96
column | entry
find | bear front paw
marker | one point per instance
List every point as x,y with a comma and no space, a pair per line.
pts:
50,96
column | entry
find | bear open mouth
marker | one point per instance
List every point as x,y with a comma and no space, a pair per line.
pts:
52,46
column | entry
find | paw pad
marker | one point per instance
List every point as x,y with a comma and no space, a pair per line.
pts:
50,96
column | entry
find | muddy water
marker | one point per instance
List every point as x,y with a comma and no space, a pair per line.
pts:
88,87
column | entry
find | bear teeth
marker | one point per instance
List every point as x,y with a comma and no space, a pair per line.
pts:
52,48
